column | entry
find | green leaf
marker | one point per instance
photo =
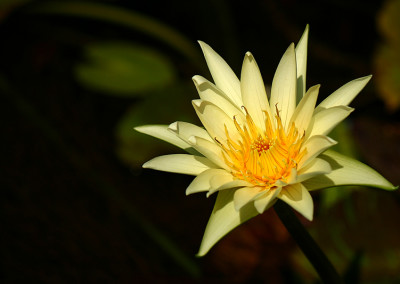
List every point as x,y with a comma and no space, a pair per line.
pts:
124,69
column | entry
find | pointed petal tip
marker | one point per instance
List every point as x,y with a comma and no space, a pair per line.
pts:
173,126
192,139
197,103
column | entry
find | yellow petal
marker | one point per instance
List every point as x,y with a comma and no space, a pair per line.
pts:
253,91
244,195
185,130
304,111
224,218
324,121
298,197
316,167
345,94
180,163
223,76
210,150
347,171
202,181
267,200
210,93
301,63
283,90
315,146
162,132
215,120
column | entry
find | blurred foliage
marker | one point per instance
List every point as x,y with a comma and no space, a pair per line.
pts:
387,57
142,66
124,69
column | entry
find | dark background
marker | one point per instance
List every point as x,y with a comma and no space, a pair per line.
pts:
76,205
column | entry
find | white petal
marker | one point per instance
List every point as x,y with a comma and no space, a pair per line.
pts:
202,181
210,150
304,111
185,130
253,91
283,90
347,171
210,93
215,120
298,197
223,76
180,163
244,195
316,167
325,120
301,62
266,201
161,132
223,219
345,94
219,184
315,146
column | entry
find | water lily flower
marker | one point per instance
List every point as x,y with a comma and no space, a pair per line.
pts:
253,151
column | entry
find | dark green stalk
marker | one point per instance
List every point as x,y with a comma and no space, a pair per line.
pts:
310,248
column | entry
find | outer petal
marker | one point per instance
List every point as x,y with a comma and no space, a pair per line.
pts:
219,184
244,195
324,121
266,201
223,76
223,219
301,62
202,181
253,91
185,130
162,132
315,146
180,163
347,171
316,167
303,113
210,150
297,196
210,93
283,90
215,120
345,94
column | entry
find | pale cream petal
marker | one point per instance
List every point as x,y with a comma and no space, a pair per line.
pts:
345,94
203,181
223,76
283,90
162,132
347,171
324,121
185,130
301,62
267,200
253,91
246,194
224,218
218,184
180,163
314,168
315,146
215,120
304,111
210,93
210,150
298,197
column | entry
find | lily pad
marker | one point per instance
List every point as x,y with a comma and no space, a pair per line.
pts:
124,69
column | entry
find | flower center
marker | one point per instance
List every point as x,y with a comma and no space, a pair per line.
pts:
263,157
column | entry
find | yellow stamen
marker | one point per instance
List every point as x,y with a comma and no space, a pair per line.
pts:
263,157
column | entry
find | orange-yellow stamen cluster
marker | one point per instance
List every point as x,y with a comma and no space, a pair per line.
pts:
263,157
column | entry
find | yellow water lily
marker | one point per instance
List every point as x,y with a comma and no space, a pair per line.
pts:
253,151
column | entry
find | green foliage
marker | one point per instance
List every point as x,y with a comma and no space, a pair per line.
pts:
124,69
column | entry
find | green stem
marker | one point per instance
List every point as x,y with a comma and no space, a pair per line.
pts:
310,248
